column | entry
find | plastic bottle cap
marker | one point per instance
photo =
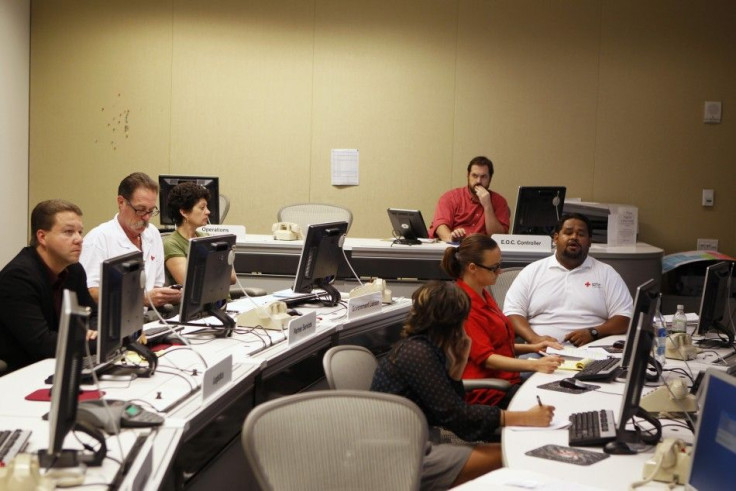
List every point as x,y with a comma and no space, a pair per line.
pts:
680,307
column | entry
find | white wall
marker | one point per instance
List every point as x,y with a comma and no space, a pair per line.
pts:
14,83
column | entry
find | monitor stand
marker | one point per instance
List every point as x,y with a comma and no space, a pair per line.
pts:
405,241
634,441
717,342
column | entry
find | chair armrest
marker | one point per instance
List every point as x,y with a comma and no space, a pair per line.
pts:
486,383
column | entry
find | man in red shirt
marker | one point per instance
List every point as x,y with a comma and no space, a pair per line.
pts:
473,208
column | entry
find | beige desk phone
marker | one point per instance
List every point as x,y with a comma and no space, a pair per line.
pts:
671,462
377,285
271,316
286,231
679,346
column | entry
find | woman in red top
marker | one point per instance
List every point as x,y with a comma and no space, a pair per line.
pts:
475,264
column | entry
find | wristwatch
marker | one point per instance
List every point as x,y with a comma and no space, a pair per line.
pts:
593,332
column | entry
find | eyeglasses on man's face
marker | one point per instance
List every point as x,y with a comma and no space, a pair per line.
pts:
493,268
141,212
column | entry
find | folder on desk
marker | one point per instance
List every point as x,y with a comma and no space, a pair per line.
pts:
575,365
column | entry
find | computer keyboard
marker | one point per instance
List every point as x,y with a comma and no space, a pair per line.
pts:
12,442
591,428
605,369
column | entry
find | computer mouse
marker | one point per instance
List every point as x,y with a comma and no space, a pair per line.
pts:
619,344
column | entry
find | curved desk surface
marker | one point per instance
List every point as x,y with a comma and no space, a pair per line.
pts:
616,472
262,256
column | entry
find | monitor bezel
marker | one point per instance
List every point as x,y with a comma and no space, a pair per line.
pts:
321,270
646,292
716,296
167,182
530,196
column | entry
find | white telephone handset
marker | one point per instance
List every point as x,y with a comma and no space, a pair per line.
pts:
286,231
377,285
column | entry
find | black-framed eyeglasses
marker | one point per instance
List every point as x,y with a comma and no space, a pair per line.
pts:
492,269
141,213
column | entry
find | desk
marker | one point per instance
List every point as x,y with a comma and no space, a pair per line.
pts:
271,263
188,451
615,473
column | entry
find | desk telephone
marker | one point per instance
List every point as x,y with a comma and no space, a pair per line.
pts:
286,231
117,414
671,462
271,316
679,346
377,285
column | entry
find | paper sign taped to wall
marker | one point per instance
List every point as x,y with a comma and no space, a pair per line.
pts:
345,167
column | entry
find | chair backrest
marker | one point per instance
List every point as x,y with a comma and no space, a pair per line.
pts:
503,283
305,214
349,367
336,439
224,207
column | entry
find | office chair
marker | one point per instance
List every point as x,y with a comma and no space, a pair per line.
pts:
224,207
305,214
502,285
336,440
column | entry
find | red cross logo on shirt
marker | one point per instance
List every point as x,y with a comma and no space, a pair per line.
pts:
587,283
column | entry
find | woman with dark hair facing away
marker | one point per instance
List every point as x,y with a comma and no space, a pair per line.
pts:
426,366
187,204
475,264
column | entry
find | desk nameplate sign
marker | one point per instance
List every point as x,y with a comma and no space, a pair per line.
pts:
369,303
524,243
302,327
217,376
216,229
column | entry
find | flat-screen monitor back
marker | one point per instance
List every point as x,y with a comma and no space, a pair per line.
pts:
715,309
167,182
320,257
209,270
538,209
122,283
69,354
408,225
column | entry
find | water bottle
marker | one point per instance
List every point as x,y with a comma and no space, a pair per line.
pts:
679,320
660,341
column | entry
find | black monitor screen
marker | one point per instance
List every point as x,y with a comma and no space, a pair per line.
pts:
121,304
715,312
65,391
207,282
167,183
538,209
408,225
714,452
320,258
647,295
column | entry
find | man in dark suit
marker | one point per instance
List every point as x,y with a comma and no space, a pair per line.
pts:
32,283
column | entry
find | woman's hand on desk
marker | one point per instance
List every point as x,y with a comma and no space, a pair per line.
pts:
547,364
536,416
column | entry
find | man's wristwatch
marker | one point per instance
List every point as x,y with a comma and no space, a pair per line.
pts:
593,332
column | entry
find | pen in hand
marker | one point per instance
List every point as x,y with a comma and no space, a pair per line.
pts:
539,401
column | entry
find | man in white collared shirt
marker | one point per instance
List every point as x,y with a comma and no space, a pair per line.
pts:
569,296
130,231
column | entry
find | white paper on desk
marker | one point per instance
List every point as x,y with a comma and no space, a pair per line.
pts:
345,167
555,424
580,353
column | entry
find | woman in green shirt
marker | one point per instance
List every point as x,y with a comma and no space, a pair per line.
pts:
188,209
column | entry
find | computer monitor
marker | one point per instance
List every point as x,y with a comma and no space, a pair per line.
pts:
630,441
320,259
167,182
715,308
207,282
121,305
714,452
645,302
408,226
70,349
538,209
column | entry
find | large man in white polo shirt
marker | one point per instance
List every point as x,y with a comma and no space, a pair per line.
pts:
130,231
569,296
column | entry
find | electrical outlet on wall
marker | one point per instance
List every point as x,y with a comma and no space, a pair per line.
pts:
707,244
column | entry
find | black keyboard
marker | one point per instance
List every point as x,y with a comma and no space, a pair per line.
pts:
591,428
605,369
12,442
